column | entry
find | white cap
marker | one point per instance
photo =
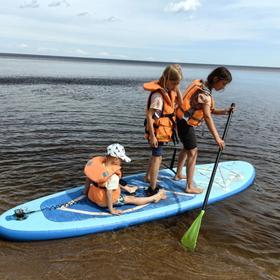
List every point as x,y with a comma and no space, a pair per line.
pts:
117,150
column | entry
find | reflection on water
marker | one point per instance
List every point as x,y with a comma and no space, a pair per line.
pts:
52,124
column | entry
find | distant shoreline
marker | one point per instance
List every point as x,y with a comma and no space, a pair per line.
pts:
121,61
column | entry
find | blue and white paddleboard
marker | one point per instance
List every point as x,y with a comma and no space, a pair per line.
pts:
70,213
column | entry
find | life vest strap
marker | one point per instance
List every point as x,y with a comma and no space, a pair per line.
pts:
174,135
94,184
168,115
99,187
199,121
196,119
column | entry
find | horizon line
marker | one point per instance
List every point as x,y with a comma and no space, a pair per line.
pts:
128,61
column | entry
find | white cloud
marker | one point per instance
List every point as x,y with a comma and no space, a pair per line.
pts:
81,52
111,19
103,54
254,4
59,3
150,58
23,46
121,56
46,50
32,4
194,33
183,6
82,14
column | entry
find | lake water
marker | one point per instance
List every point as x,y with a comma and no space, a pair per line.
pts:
56,114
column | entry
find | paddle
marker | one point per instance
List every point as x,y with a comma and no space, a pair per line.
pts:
189,239
175,140
173,160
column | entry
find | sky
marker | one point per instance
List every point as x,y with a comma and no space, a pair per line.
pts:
224,32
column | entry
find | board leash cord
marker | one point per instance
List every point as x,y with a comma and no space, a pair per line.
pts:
21,214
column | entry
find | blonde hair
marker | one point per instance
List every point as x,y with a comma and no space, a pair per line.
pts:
172,72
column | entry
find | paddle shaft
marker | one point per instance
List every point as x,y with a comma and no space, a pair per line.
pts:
217,160
172,161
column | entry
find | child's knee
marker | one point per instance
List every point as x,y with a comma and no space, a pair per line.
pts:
192,152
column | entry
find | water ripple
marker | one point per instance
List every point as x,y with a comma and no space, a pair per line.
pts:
51,126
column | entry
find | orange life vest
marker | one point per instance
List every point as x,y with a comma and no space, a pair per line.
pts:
191,110
97,172
164,121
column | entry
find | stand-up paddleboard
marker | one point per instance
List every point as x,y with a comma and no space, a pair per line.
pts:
70,213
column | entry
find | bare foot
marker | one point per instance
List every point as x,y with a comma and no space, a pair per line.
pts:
179,177
160,195
194,190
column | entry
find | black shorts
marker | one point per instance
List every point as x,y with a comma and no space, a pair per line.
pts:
186,134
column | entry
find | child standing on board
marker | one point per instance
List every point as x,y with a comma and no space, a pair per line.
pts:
103,181
160,118
198,104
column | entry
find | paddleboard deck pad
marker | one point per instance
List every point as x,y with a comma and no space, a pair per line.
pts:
70,213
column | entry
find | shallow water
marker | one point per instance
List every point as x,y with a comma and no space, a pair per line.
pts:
55,115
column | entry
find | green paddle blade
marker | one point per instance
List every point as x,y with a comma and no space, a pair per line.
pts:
189,239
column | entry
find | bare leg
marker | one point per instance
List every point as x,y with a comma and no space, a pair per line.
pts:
181,162
191,161
129,199
147,177
154,169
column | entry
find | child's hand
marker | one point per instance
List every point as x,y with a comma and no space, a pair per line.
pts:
116,212
177,89
131,189
228,110
221,143
153,141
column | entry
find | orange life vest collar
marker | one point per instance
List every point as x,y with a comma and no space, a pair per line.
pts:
154,86
96,170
